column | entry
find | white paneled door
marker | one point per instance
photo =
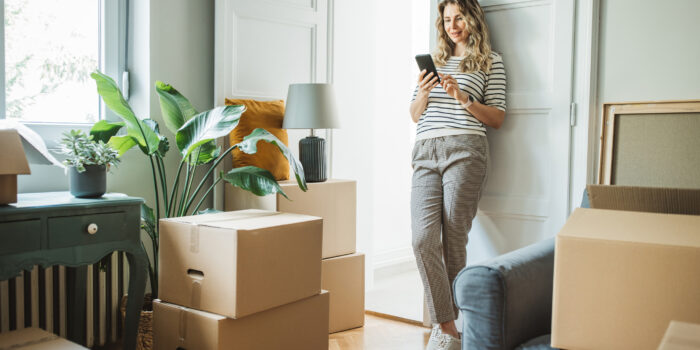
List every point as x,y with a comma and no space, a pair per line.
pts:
263,46
526,197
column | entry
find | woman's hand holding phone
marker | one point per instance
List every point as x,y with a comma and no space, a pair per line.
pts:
426,82
449,83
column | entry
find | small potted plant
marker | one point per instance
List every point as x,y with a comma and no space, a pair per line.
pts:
88,162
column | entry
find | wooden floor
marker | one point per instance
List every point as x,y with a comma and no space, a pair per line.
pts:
381,333
378,333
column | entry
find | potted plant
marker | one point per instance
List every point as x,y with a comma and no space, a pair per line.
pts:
195,134
88,162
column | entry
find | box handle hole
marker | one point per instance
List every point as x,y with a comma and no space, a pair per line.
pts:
196,274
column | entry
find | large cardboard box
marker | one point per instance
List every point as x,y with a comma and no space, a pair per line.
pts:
620,277
681,336
12,162
333,200
301,325
35,339
239,263
344,277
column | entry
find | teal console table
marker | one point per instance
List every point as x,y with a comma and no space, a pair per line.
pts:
55,228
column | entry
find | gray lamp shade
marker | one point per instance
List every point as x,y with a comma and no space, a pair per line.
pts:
310,106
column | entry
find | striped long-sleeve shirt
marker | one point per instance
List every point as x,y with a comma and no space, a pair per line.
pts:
445,116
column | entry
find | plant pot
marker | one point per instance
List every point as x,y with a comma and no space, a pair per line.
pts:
91,183
144,337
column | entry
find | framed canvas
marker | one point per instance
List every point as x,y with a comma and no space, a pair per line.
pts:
654,144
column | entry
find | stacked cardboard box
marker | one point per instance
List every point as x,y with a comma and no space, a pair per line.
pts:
12,162
247,279
624,269
343,268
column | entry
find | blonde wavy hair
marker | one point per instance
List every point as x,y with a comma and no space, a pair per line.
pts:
478,54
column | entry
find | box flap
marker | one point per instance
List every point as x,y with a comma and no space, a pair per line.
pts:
681,335
261,222
223,216
35,339
12,158
646,199
250,219
634,227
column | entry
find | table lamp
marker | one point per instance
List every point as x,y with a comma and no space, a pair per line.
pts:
311,106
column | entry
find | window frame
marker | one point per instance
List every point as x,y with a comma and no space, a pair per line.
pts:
112,59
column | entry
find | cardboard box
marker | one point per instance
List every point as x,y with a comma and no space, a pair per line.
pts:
302,325
344,277
681,336
35,339
621,276
12,162
239,263
334,200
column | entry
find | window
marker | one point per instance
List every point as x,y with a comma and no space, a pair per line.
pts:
50,49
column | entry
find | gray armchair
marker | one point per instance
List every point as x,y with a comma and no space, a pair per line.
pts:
506,302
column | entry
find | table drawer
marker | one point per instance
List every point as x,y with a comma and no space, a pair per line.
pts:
20,236
69,231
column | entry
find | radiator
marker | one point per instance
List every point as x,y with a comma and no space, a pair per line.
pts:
38,298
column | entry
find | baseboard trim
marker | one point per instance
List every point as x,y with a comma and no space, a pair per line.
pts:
393,257
396,318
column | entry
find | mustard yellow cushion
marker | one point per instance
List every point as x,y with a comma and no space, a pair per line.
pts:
267,115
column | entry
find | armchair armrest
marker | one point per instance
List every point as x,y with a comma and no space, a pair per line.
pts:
507,300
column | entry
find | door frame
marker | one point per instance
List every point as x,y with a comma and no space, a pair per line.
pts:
585,118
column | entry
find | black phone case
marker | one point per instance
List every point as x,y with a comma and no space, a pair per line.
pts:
426,62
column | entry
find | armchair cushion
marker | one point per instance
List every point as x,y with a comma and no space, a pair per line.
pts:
540,343
507,301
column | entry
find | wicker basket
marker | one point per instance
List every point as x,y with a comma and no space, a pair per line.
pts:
144,339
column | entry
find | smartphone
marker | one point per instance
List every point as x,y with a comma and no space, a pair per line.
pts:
426,62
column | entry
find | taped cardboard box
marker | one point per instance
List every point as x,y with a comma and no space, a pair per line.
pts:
344,277
12,162
239,263
620,276
35,339
334,200
681,336
301,325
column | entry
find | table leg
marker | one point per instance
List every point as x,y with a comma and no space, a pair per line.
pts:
138,269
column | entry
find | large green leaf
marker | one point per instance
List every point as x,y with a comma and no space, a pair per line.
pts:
163,143
145,137
148,220
256,180
250,145
176,108
104,130
206,126
209,211
207,152
121,143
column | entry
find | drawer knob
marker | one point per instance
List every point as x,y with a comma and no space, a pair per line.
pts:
92,229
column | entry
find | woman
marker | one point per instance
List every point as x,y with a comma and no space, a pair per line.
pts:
450,155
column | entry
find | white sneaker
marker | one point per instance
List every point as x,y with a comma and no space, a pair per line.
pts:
440,341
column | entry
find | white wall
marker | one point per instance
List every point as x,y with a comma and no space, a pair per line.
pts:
374,76
353,146
181,54
648,51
